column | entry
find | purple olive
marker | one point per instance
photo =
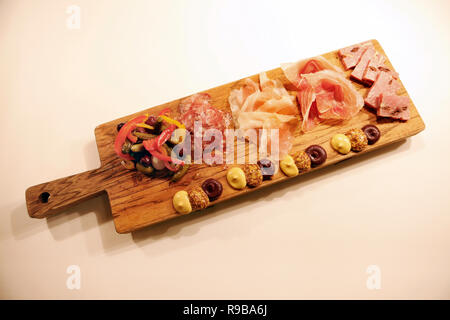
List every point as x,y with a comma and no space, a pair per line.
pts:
267,168
152,121
146,160
212,188
119,126
317,154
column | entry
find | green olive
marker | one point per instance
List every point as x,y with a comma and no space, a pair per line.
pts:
180,173
126,147
137,147
144,135
146,170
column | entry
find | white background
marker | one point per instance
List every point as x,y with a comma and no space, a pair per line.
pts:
308,238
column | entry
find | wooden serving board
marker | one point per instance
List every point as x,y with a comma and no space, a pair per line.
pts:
138,201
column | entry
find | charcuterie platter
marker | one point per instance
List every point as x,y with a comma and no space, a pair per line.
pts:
325,109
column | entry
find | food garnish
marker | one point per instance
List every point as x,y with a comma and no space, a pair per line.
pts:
253,175
341,143
146,142
317,154
302,161
357,138
372,133
212,188
124,132
236,178
288,166
145,170
181,202
198,198
181,172
267,168
144,125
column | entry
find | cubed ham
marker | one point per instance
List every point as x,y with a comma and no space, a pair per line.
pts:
373,68
358,72
350,56
393,106
386,83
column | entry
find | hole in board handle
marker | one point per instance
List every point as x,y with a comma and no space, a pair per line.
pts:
44,196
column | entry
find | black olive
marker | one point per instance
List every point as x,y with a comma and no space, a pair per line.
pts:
146,160
317,154
267,168
151,121
372,133
119,126
212,188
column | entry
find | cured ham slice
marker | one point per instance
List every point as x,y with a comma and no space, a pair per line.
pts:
358,72
265,106
306,97
372,70
375,66
293,71
350,56
393,106
327,95
386,83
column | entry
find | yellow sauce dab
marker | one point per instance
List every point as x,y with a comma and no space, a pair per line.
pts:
181,202
236,178
341,143
288,166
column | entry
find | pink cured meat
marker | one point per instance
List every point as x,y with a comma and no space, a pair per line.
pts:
386,83
294,71
198,108
393,106
307,100
350,56
373,68
327,95
267,105
358,72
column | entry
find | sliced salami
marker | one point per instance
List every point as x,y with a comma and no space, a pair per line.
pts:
198,108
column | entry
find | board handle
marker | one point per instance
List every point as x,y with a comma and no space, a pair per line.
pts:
50,198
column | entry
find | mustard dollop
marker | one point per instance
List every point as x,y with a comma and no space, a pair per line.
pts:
181,202
341,143
236,178
288,166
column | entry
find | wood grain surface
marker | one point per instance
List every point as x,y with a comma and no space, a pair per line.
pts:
138,201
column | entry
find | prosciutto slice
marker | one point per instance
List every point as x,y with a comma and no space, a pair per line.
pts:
306,97
327,95
294,71
265,106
